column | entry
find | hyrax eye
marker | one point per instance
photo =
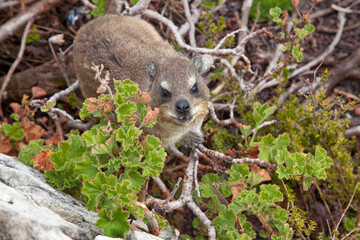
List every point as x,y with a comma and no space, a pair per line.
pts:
194,89
165,93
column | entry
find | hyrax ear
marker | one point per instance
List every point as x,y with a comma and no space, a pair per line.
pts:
151,69
197,62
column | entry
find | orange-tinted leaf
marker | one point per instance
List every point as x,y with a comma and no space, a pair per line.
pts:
54,140
31,130
151,114
5,145
16,107
260,171
236,189
91,109
38,92
42,160
253,152
108,107
142,97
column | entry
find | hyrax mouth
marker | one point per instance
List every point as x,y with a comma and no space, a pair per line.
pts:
184,119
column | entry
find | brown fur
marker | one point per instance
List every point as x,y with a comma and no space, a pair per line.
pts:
126,45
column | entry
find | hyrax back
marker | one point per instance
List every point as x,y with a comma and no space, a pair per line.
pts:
129,47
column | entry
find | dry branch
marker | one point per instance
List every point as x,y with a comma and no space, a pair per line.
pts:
231,160
174,29
10,27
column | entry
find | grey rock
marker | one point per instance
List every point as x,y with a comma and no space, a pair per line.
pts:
32,209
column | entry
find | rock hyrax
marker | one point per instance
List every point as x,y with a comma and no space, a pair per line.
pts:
129,47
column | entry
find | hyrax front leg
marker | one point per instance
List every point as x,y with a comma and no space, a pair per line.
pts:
193,138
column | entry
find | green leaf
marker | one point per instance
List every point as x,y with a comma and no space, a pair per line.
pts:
88,167
48,106
275,12
154,157
208,4
350,223
105,148
297,53
284,172
14,132
114,223
225,221
127,134
268,146
309,28
270,193
137,211
205,185
135,178
69,153
282,156
278,215
124,110
95,136
123,193
307,181
238,171
245,130
262,112
96,191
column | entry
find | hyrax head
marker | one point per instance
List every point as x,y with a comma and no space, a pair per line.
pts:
178,90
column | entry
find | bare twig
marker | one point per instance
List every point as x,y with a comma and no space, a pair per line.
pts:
234,74
138,8
173,192
194,17
221,198
89,4
64,92
192,24
186,199
16,62
245,10
343,215
10,27
236,160
162,186
59,39
150,217
174,29
196,164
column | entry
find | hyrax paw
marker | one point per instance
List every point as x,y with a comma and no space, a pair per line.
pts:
193,139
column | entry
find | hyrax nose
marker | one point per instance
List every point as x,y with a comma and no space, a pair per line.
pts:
183,106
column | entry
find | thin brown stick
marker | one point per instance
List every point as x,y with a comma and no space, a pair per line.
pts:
264,223
16,62
172,194
343,215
